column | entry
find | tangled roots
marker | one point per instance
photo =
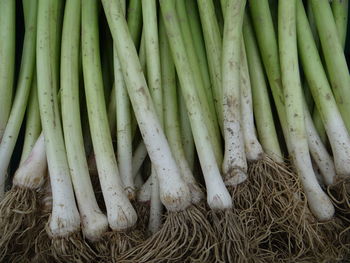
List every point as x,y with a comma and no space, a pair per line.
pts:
113,244
18,217
274,216
340,196
71,249
185,236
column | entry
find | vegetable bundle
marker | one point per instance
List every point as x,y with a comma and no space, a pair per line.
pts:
174,131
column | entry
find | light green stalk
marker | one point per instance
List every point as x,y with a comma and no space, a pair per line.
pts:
323,96
33,123
334,56
154,81
268,46
7,58
186,132
94,222
207,107
134,18
265,34
340,13
124,134
199,45
217,196
24,84
262,107
235,163
112,111
121,215
65,218
319,202
315,114
171,115
174,192
213,45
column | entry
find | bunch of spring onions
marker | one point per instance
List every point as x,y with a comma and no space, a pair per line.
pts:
174,131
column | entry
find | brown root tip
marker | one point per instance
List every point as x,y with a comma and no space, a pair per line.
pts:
18,219
184,236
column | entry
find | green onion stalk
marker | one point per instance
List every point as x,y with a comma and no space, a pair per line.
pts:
333,122
213,45
19,205
335,62
154,81
315,114
278,183
198,42
93,221
235,163
64,238
268,50
267,43
205,97
32,120
171,117
174,192
33,162
123,131
121,215
187,140
7,57
340,10
319,202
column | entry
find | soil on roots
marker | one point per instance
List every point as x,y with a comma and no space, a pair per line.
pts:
18,219
185,236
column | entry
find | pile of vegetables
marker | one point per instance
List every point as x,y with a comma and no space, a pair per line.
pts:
174,131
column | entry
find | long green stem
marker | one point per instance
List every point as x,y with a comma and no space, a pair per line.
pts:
198,42
124,134
217,195
207,107
235,163
322,93
94,222
33,124
24,84
315,114
268,47
319,202
186,132
134,18
121,215
340,10
174,192
7,58
154,81
213,45
261,101
65,216
171,115
334,56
